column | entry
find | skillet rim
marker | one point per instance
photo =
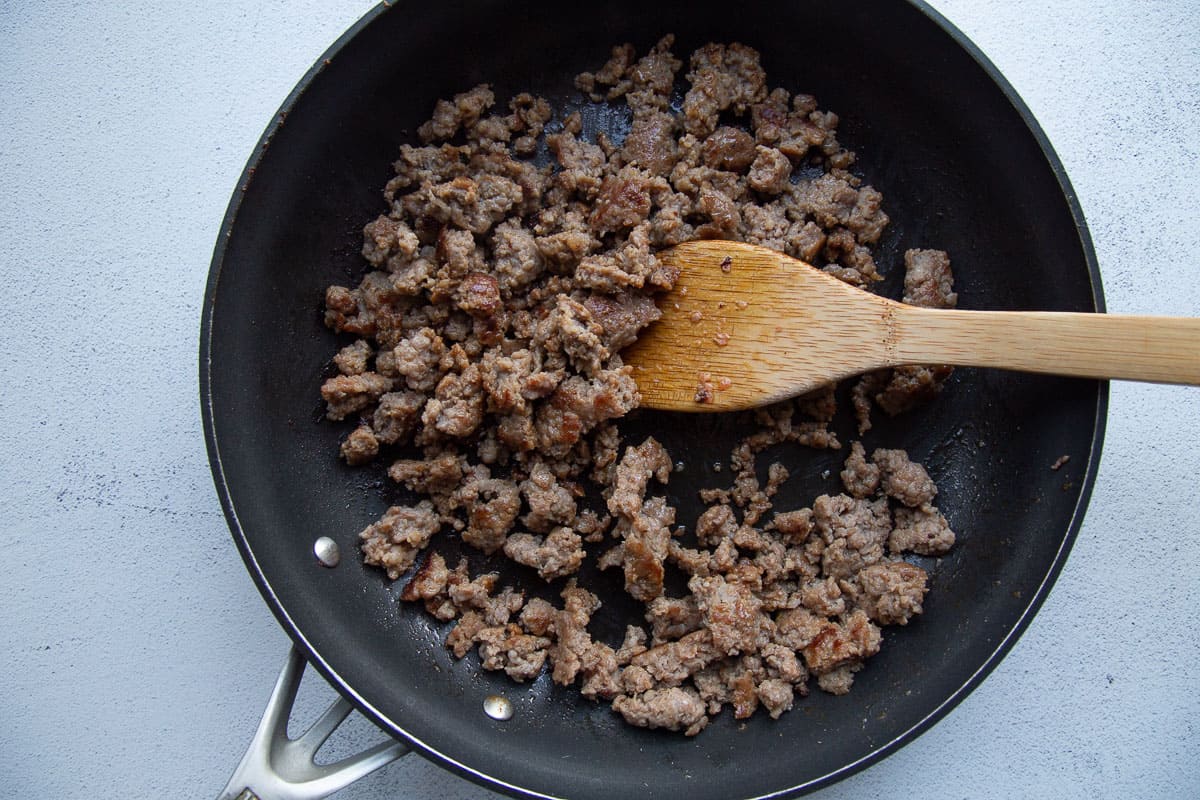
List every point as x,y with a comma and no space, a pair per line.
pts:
392,727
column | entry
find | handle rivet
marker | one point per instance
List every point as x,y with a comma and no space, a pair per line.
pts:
498,707
327,552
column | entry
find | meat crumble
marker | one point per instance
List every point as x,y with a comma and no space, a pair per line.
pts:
501,291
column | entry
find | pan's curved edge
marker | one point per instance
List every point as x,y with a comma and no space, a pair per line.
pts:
206,319
336,681
214,453
1093,463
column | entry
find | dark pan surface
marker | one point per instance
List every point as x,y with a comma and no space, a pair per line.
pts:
961,166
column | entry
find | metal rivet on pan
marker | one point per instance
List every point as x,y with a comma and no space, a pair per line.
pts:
327,552
497,707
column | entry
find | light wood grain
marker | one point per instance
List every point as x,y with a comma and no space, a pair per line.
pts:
766,327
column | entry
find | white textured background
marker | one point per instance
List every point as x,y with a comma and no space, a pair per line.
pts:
136,654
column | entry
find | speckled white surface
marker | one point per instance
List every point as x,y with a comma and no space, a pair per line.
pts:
136,652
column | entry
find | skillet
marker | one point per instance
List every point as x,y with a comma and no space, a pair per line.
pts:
962,166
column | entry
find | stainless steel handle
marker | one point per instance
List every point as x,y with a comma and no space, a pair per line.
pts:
278,768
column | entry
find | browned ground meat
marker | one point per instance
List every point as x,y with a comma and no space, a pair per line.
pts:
892,591
928,281
860,477
360,446
558,554
770,171
902,479
346,394
394,541
921,530
672,708
487,368
354,359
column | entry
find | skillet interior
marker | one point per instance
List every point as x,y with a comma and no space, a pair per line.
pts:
959,169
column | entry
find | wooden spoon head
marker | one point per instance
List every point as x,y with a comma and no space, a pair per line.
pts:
746,326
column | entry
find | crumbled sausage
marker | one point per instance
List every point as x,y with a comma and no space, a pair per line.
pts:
621,317
651,143
722,77
498,296
573,641
833,201
465,109
854,532
671,708
729,149
671,618
429,581
732,613
346,394
430,476
928,281
569,329
715,524
639,464
418,357
770,171
555,556
860,477
892,591
394,541
776,696
456,408
479,295
353,359
911,386
608,75
360,446
507,647
673,662
623,202
794,525
537,617
490,514
922,530
646,537
397,416
905,480
550,503
841,643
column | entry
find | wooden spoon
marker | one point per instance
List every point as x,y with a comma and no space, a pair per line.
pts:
748,326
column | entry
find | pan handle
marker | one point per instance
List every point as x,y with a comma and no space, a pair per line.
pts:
278,768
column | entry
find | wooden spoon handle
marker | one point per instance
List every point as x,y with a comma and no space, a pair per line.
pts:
1156,349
